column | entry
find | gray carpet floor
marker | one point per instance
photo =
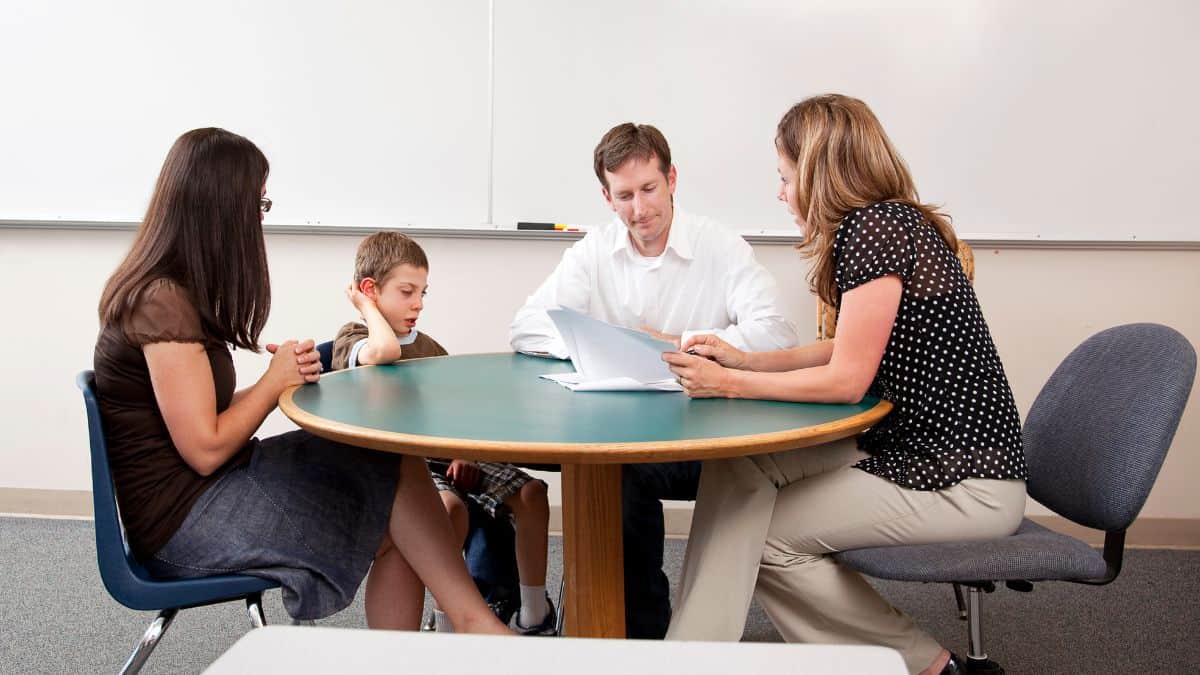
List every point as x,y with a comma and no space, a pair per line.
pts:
55,616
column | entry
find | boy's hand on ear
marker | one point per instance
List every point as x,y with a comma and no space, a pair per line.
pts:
358,298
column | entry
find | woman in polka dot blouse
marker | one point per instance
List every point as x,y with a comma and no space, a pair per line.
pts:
946,464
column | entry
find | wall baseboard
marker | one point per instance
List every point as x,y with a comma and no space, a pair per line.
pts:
1181,533
49,503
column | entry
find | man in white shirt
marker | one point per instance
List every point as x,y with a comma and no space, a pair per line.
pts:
659,269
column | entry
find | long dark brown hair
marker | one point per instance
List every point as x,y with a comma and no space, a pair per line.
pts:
844,161
203,230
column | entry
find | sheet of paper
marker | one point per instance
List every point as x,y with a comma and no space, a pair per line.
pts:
577,382
544,355
611,358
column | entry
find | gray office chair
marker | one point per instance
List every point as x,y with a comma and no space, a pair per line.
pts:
1095,439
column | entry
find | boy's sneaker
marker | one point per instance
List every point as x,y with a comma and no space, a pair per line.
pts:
503,609
436,622
547,628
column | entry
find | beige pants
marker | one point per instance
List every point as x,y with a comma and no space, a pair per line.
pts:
765,526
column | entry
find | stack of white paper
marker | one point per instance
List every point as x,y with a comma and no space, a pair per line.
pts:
611,358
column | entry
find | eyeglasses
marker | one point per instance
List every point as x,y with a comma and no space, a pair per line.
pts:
264,204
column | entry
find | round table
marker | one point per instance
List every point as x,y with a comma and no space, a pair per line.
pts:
496,407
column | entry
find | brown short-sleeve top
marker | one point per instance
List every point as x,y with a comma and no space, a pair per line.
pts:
155,487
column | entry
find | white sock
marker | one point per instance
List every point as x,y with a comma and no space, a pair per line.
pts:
441,622
533,605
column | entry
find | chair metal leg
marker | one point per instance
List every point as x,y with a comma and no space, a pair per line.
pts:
558,627
975,628
958,599
148,642
977,659
255,610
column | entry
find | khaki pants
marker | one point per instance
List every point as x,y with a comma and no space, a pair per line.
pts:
765,526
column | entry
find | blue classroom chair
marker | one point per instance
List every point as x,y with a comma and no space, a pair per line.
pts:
126,580
1095,439
325,350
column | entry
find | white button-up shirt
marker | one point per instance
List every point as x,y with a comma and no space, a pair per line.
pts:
706,280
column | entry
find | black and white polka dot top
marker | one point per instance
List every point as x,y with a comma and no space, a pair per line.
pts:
954,416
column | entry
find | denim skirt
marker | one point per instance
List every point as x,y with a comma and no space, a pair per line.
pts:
307,512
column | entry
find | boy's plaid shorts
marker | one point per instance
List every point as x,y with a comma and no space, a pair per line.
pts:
497,482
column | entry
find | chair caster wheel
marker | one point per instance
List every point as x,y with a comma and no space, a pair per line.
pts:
984,667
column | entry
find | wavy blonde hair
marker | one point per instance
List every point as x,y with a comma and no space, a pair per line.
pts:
844,161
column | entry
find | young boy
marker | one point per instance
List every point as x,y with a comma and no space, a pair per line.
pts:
390,282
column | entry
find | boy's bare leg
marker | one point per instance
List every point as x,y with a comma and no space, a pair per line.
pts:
421,532
394,595
531,513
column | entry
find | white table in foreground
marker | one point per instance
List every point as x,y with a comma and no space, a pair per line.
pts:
304,649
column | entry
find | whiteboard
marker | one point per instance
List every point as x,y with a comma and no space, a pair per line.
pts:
1025,119
372,112
1047,120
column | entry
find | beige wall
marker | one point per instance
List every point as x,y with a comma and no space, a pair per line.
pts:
1040,303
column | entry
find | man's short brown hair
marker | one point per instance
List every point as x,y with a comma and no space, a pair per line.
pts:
382,252
630,141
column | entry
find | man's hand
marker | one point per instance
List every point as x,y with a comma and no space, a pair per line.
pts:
674,339
463,474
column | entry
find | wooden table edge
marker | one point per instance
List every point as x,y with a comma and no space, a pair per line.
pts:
580,453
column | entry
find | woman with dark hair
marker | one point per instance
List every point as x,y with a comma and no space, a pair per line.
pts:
198,495
947,463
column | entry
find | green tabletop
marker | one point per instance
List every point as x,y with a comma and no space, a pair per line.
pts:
491,400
